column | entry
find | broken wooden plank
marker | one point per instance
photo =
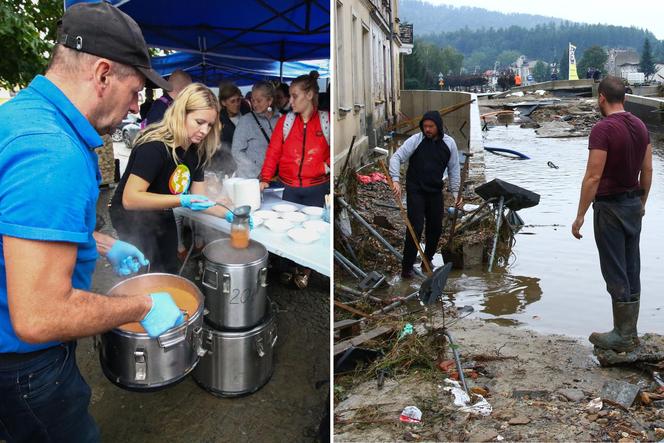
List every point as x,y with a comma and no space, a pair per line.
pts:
345,307
362,338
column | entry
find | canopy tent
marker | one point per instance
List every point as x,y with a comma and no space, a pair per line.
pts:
281,30
210,70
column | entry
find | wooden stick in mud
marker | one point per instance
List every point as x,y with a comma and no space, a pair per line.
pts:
338,304
425,260
462,181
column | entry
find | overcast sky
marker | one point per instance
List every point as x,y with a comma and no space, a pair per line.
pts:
648,14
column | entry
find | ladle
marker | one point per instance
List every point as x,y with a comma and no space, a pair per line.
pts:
240,211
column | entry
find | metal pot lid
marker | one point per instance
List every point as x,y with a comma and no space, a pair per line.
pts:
221,252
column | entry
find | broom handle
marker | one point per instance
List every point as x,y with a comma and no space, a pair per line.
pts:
425,261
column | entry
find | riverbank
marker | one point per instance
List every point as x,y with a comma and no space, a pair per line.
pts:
538,381
538,386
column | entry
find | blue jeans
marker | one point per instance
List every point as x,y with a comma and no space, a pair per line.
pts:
45,399
617,232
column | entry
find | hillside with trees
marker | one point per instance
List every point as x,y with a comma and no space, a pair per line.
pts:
485,37
482,47
429,19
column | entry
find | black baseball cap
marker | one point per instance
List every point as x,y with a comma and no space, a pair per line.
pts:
103,30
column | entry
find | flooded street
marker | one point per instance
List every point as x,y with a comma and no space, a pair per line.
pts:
552,282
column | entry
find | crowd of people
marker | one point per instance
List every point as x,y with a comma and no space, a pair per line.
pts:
50,241
276,134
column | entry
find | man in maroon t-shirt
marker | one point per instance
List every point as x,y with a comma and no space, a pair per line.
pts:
617,182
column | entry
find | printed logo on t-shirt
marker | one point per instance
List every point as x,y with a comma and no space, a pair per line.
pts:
180,180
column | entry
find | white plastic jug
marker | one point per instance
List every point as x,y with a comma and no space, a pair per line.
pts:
247,192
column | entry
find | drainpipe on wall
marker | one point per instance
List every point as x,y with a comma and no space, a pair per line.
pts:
394,97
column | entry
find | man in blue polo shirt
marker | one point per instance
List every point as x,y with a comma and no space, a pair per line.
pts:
48,194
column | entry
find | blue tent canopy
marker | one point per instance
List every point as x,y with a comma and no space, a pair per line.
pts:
281,30
211,70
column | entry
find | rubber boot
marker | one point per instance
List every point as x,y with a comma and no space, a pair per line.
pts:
623,337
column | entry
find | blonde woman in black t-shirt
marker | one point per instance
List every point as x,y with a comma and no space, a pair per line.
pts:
165,171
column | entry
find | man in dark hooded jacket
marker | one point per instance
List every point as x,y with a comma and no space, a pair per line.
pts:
617,182
428,154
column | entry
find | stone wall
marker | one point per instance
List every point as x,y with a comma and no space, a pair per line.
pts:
106,161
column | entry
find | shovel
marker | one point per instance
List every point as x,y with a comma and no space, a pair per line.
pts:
449,254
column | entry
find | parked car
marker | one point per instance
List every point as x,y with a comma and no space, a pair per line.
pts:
127,130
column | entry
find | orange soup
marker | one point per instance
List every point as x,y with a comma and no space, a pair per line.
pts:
186,301
240,238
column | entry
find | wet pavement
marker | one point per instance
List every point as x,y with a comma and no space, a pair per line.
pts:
552,281
288,408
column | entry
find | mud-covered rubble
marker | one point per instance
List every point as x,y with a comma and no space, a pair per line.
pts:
557,118
540,388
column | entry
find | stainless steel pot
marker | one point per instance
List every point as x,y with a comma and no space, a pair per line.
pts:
237,362
138,362
235,284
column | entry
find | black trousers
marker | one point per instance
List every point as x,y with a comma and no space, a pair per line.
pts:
617,228
424,209
309,196
153,232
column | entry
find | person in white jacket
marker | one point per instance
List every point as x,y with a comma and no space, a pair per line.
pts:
428,154
253,131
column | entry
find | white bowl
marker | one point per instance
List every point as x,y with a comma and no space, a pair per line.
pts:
284,207
257,221
313,212
304,236
266,215
316,225
295,217
278,224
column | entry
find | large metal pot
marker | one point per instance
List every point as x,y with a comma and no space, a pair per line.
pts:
136,361
237,362
235,284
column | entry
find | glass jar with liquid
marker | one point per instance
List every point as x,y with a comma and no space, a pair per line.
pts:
240,231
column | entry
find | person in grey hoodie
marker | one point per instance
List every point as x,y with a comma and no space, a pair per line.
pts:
428,154
254,130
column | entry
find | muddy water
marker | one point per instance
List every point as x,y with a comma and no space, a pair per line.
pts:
552,282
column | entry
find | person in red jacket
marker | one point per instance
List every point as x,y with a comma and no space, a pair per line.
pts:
300,151
299,148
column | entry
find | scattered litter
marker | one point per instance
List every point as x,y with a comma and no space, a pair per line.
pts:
571,394
411,414
595,405
407,330
410,436
620,392
461,399
372,178
530,394
446,365
551,164
519,420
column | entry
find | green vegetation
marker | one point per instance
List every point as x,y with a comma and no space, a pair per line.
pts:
541,72
429,19
594,57
27,33
647,65
427,61
542,42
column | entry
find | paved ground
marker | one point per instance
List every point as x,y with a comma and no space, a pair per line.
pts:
288,408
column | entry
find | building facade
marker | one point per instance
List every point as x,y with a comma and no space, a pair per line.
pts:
367,75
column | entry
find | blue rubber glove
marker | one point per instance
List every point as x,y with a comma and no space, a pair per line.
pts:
125,258
326,214
229,218
195,202
163,315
